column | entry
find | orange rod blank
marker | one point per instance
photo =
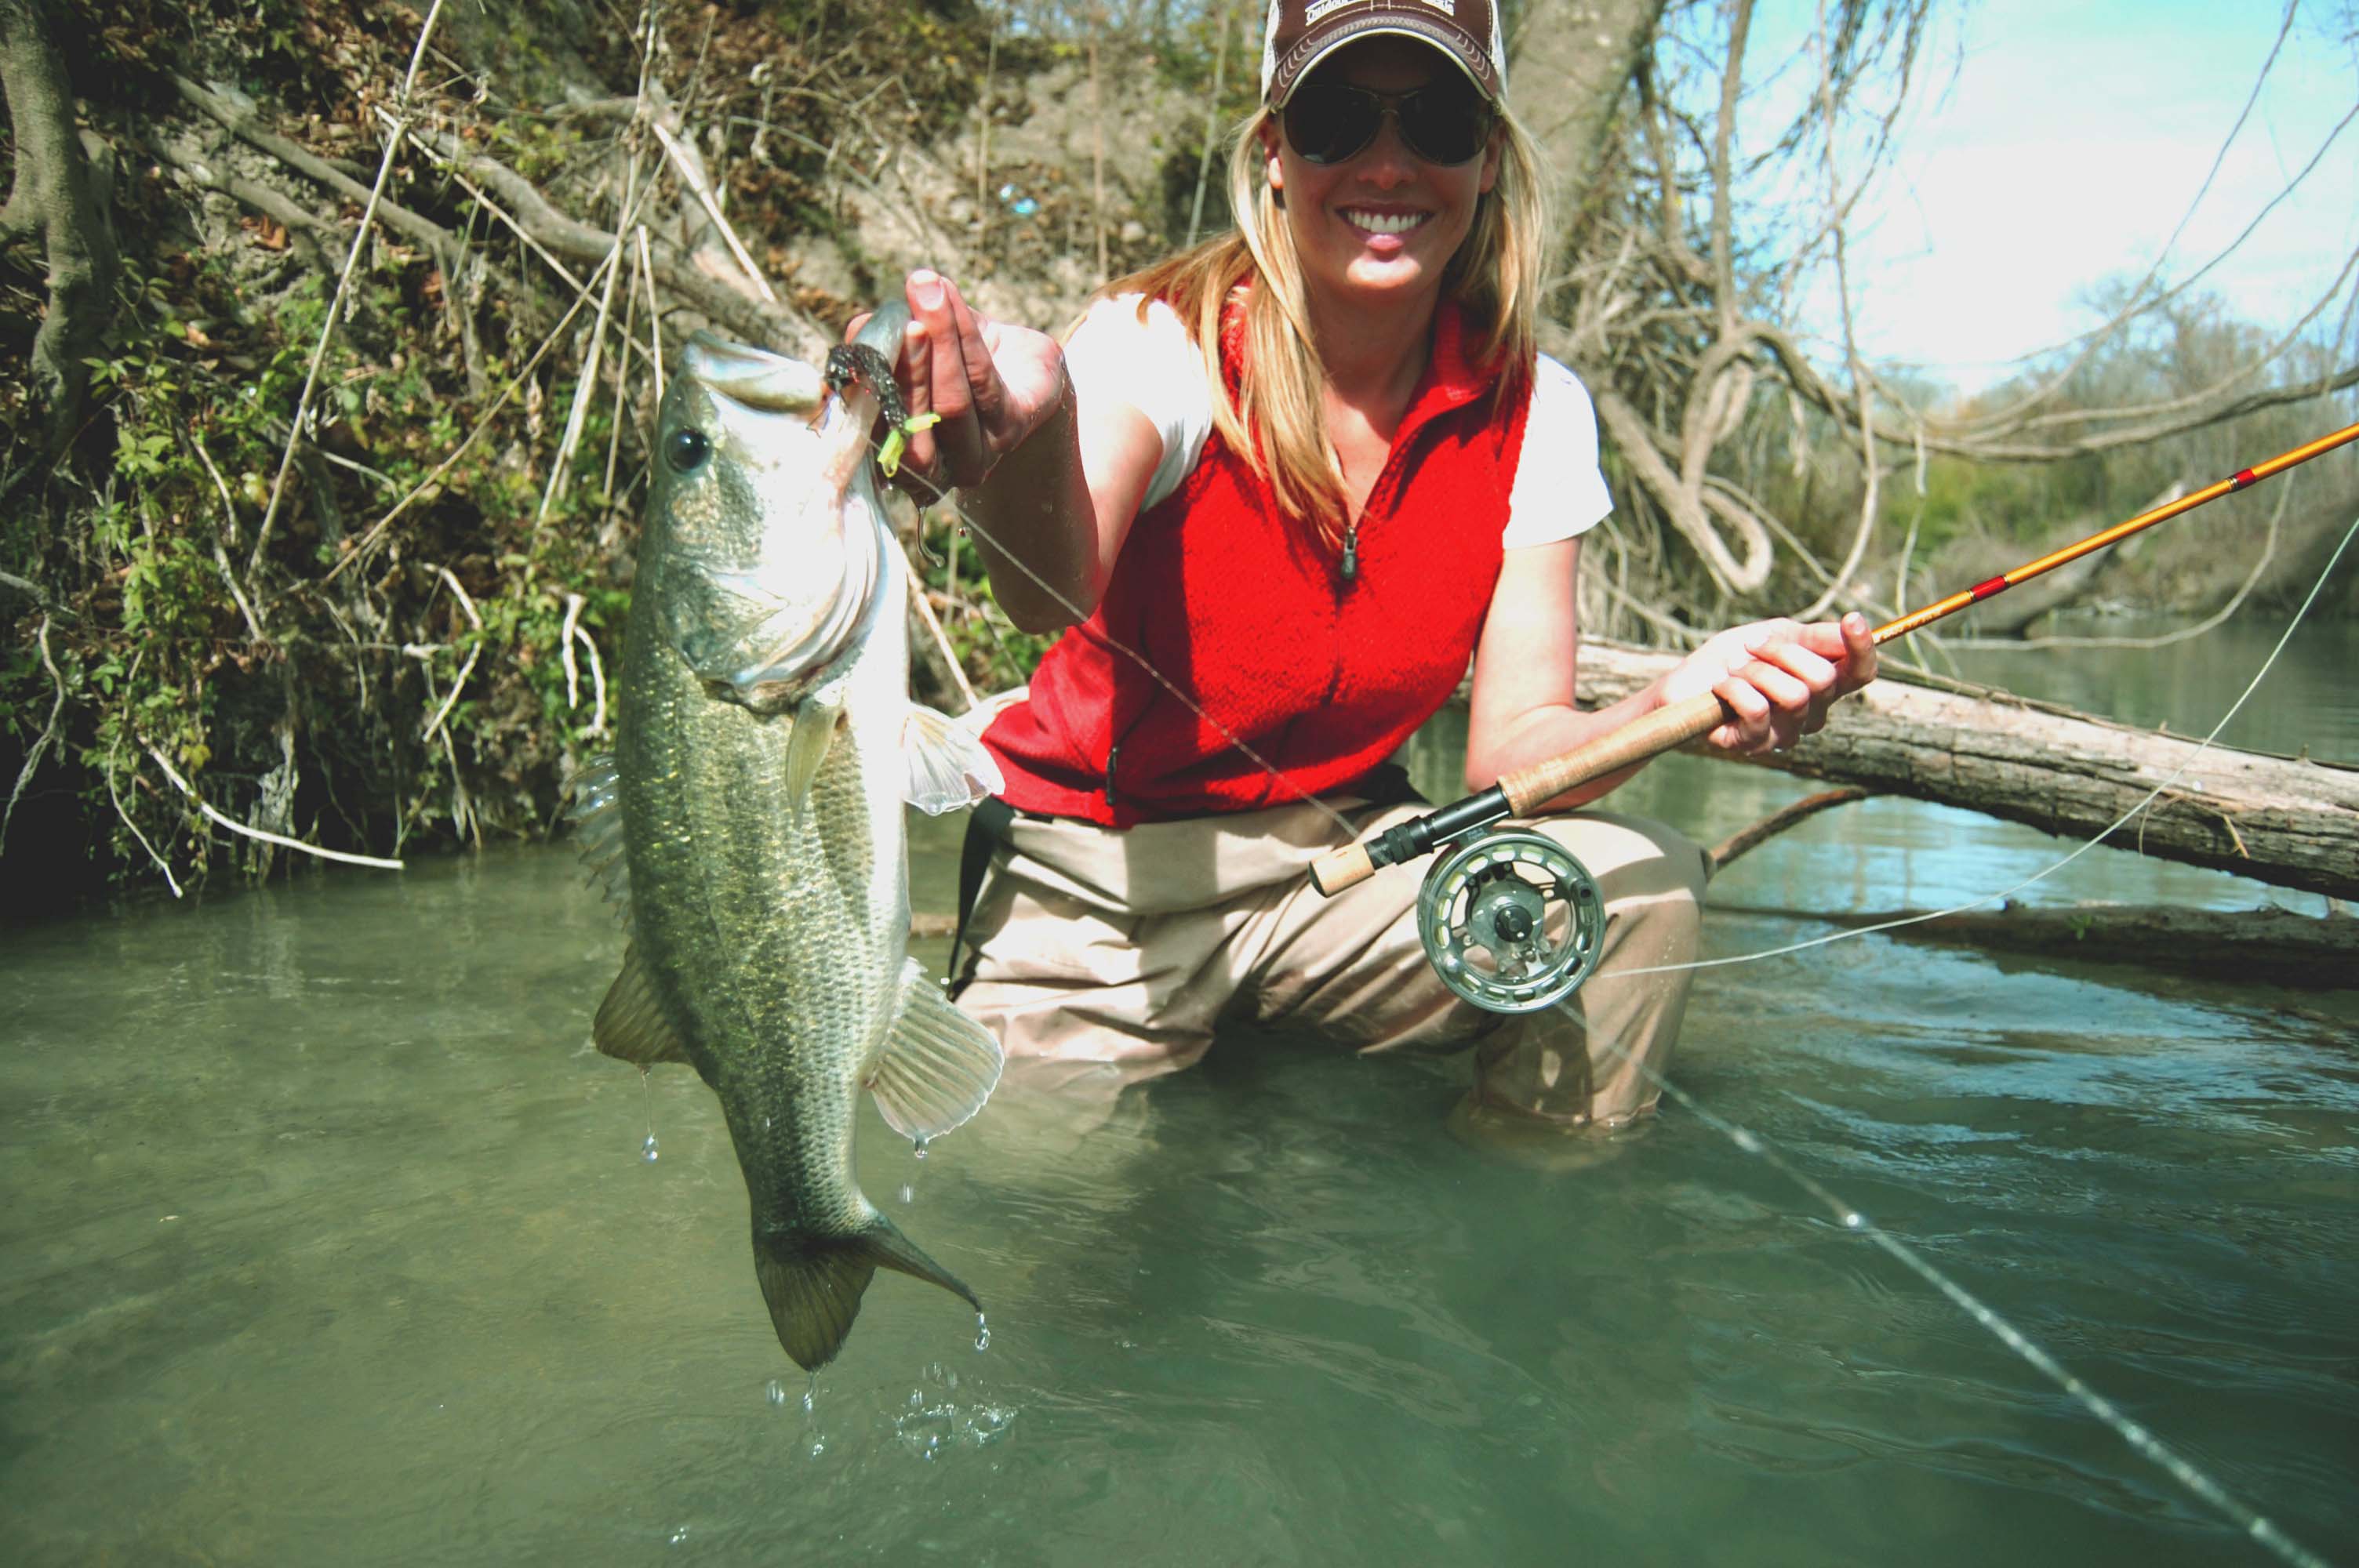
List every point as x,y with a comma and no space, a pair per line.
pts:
2119,531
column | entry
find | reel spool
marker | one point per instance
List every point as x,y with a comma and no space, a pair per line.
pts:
1511,921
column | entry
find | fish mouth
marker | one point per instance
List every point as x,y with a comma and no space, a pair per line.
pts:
757,379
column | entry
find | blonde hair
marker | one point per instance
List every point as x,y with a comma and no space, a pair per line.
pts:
1495,279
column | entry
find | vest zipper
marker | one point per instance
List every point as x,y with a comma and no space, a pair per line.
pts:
1351,568
1113,752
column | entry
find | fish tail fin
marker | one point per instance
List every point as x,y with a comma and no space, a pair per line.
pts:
813,1283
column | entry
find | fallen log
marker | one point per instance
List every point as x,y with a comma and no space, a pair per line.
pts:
2286,821
2266,944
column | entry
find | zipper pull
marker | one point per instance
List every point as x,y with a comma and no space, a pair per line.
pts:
1352,553
1113,752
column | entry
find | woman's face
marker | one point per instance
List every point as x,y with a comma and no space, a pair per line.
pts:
1375,229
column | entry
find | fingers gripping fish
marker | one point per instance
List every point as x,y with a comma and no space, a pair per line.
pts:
750,818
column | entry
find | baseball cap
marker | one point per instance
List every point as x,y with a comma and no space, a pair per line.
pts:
1301,33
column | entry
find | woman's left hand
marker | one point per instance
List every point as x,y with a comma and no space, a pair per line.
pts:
1779,677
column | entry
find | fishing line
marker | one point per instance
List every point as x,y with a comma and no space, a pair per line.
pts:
2141,1440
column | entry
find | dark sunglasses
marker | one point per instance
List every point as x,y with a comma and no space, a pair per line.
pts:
1444,123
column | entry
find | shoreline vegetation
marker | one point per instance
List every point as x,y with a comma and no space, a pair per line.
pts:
335,335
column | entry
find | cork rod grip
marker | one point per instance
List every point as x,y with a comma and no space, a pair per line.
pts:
1528,789
1347,867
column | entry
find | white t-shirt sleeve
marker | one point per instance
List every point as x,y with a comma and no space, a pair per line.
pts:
1559,491
1152,366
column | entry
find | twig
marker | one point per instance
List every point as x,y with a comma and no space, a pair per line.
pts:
485,199
280,839
343,288
574,602
1871,498
983,143
585,386
941,642
161,864
622,411
465,670
597,681
693,178
237,120
48,733
1097,143
1226,23
654,314
1777,822
221,555
367,541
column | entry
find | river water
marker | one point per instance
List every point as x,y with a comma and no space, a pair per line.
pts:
329,1239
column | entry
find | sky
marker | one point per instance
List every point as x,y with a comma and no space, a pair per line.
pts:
2065,147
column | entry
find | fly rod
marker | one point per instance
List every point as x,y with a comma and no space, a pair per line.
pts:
1523,791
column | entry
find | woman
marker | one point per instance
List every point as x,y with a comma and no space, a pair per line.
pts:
1281,488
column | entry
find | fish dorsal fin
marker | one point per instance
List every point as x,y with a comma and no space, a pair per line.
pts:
597,816
944,767
807,746
938,1065
631,1023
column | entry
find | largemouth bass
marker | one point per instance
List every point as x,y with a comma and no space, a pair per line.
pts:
750,818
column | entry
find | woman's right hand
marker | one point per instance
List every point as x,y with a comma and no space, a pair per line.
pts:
994,383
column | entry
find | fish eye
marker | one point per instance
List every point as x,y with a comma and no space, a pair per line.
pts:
686,451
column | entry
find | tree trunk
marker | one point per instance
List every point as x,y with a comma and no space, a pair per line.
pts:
1569,63
54,196
2293,823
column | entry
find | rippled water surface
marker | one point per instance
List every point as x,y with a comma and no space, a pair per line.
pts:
329,1239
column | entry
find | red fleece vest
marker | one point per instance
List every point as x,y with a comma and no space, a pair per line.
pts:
1248,614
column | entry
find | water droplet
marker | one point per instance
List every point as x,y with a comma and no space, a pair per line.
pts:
982,1333
647,1150
775,1392
819,1446
917,1399
680,1535
809,1402
1746,1141
909,1193
1854,1219
918,1146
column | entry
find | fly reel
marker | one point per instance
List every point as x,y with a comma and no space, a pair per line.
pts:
1511,921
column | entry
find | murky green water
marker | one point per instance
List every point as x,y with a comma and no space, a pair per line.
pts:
329,1239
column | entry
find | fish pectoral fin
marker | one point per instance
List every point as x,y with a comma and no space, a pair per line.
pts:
807,746
812,1284
938,1065
631,1025
944,766
597,817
